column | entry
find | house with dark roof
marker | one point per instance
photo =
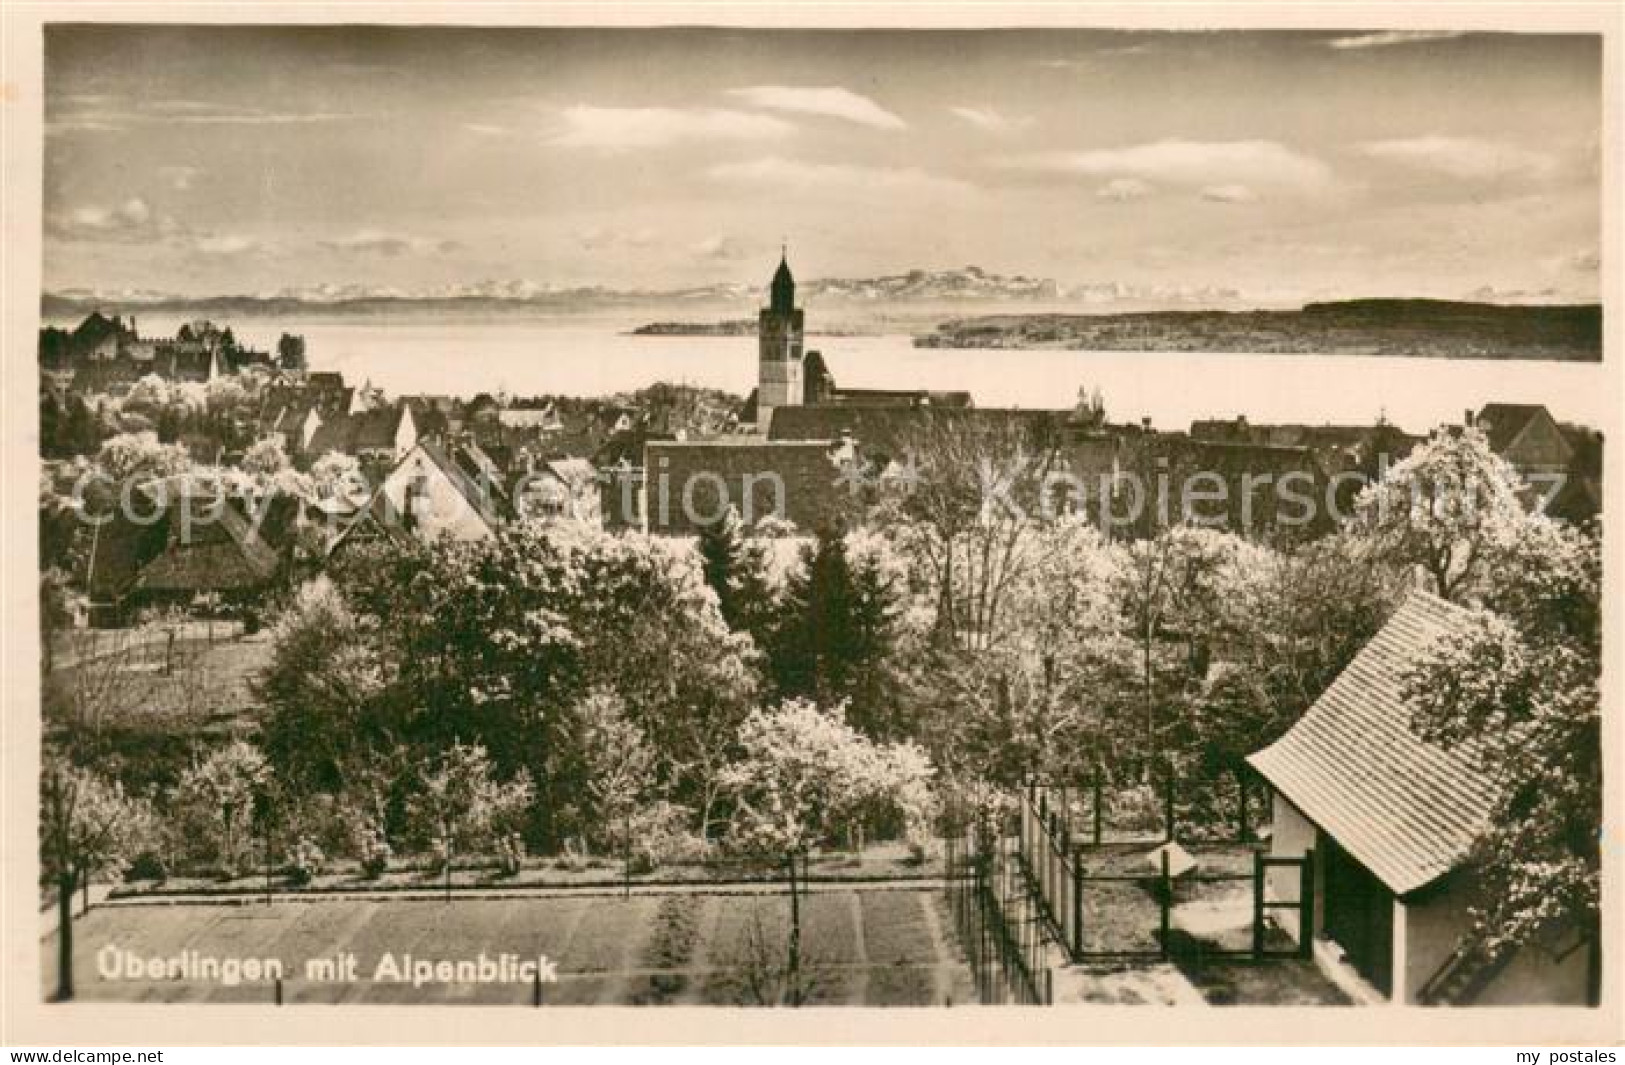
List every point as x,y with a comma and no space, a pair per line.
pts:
437,489
1255,490
886,430
1363,444
193,361
1388,821
293,424
1562,464
197,542
383,434
561,490
113,377
92,334
435,413
689,484
1526,435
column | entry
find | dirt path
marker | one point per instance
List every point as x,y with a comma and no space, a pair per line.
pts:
950,987
859,989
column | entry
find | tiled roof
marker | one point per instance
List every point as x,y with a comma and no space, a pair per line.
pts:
487,498
573,472
794,480
1503,422
881,429
373,429
1407,809
898,397
118,550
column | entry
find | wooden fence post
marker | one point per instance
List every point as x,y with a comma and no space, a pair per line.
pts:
1167,904
1077,906
1258,904
1306,905
1055,856
1097,809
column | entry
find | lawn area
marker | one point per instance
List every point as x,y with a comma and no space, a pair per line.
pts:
206,685
876,947
1122,912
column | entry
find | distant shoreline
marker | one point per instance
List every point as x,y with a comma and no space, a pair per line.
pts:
738,327
1377,327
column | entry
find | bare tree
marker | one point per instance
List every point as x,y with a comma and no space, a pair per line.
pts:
973,485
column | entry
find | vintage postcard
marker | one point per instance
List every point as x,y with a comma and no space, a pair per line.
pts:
907,524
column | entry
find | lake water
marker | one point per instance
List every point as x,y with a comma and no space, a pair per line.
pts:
595,357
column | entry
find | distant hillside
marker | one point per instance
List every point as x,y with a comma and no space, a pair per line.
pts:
1408,327
968,283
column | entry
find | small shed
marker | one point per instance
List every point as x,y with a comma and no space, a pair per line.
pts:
1391,819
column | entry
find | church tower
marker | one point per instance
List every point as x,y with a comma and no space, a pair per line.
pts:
779,335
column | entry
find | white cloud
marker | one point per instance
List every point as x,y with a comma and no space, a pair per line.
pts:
130,221
814,177
225,244
1391,37
718,248
990,120
388,245
625,128
101,117
211,112
1468,158
134,211
599,238
180,178
1195,164
486,129
1123,189
1229,194
829,102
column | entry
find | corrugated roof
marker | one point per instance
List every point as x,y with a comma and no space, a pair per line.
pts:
1407,809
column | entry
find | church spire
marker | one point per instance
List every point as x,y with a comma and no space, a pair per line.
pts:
783,299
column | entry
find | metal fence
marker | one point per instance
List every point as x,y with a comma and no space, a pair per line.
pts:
997,918
1122,901
1214,809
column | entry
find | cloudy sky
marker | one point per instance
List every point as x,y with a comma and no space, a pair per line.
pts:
254,160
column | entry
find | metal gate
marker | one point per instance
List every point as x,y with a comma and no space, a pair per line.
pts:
1126,902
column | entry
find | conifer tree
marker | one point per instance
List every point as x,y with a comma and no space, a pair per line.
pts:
736,570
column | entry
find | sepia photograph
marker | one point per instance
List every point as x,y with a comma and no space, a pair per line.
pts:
774,516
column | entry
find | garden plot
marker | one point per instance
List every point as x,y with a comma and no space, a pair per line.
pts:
1122,909
874,947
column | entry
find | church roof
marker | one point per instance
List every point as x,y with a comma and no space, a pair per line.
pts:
783,295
